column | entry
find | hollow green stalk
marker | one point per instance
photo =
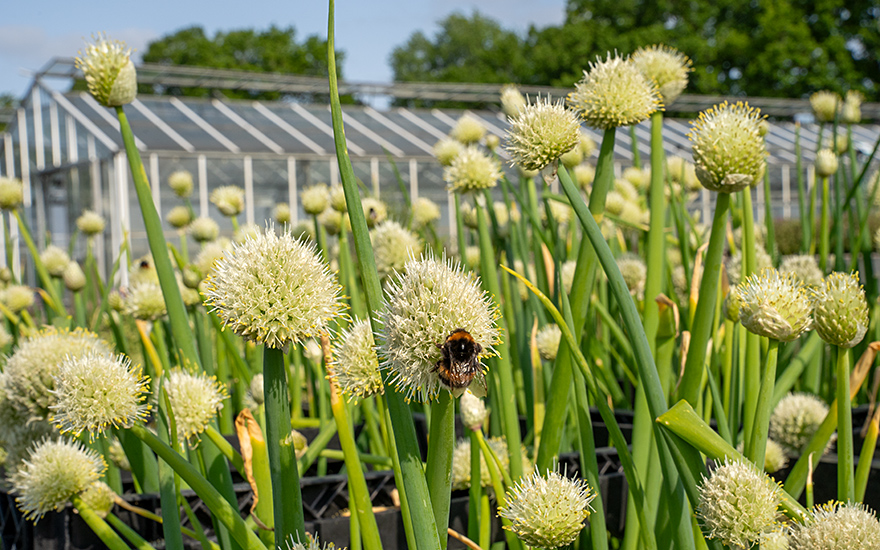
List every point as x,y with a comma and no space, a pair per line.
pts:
825,226
863,470
845,482
438,471
168,489
752,375
48,285
475,492
133,537
764,406
806,216
107,535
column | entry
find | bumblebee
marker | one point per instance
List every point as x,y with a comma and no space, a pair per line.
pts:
459,359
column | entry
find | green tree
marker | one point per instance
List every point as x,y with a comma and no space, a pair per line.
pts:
8,103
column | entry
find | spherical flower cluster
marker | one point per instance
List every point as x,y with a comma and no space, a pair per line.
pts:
246,231
584,175
547,511
547,341
775,540
179,217
374,210
795,420
315,199
11,193
614,93
473,411
281,213
568,268
472,170
393,245
737,504
775,458
311,544
145,301
423,305
461,462
541,133
100,498
838,525
355,367
203,229
446,150
840,144
840,310
337,198
53,473
826,163
804,267
639,177
55,259
728,151
572,158
825,104
90,223
774,305
96,390
74,278
334,221
273,290
735,264
229,199
634,272
851,113
181,182
195,399
109,72
257,390
512,101
424,212
468,130
208,256
667,67
5,338
17,297
682,173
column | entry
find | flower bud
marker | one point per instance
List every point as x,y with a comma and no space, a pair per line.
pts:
547,340
17,297
852,107
512,101
204,229
473,411
468,130
424,211
541,133
773,305
110,75
179,217
471,171
257,389
667,67
826,163
491,141
315,199
11,193
181,182
840,310
446,150
825,105
228,199
74,278
90,223
281,213
55,259
337,199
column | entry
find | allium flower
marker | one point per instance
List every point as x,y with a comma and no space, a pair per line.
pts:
110,75
53,473
512,101
737,504
55,259
461,462
840,310
195,400
468,130
795,420
587,145
281,213
315,199
311,544
90,223
392,246
840,144
491,141
28,377
682,172
541,133
561,213
473,411
424,212
639,178
584,175
96,390
773,305
446,150
472,257
851,113
5,338
355,367
667,67
100,498
634,272
804,267
246,231
423,305
775,458
257,389
614,93
374,210
74,278
17,297
333,221
572,158
838,525
204,229
181,182
471,170
776,540
728,151
179,217
547,511
208,256
547,340
735,264
273,290
145,301
567,275
825,105
228,199
11,193
614,203
826,163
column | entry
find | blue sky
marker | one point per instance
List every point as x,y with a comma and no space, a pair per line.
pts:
33,31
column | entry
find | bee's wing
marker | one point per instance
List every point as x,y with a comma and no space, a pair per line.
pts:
478,386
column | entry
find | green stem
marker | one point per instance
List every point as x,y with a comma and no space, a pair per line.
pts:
475,492
753,341
866,457
845,482
43,274
825,226
438,471
107,535
133,537
803,202
764,406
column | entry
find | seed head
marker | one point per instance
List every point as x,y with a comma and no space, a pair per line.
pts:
614,93
728,151
825,105
55,259
840,310
204,229
804,267
461,462
547,511
446,150
74,278
424,303
110,75
100,498
838,525
795,420
315,199
195,399
11,193
392,246
273,290
470,171
737,504
355,367
851,113
145,301
96,390
17,297
281,213
468,130
512,101
181,182
667,67
424,212
374,210
90,223
228,199
541,133
547,340
774,305
826,163
473,411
